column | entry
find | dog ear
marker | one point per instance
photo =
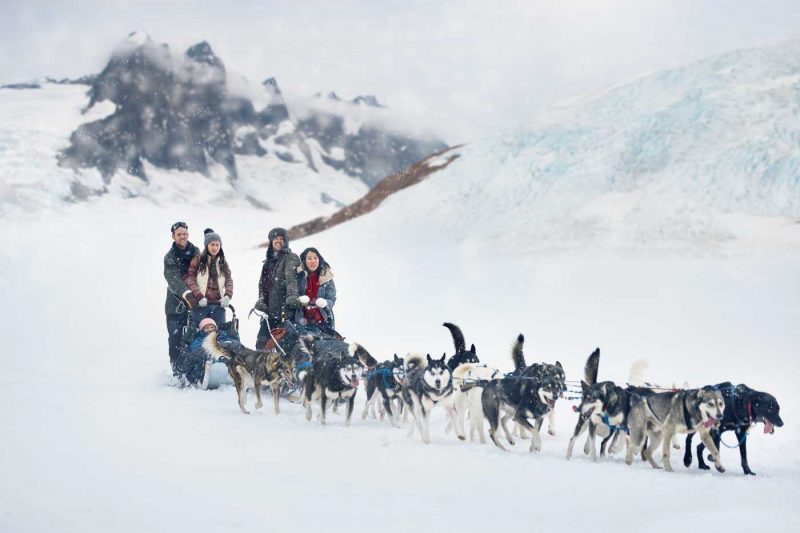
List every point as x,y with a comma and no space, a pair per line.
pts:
472,349
396,359
429,359
444,356
584,386
558,364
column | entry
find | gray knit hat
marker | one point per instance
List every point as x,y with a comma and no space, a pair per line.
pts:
210,236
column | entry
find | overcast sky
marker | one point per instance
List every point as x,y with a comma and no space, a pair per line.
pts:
466,68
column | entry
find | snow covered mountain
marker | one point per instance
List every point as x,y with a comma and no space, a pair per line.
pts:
151,113
694,156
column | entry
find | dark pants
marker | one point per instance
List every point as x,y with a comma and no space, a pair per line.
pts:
213,311
175,323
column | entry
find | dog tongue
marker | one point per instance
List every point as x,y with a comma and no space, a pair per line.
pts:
768,428
711,422
355,383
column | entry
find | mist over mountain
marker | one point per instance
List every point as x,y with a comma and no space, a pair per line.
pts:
176,112
697,156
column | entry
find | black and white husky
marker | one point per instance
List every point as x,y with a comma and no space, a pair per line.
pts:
539,372
334,377
384,385
427,384
462,355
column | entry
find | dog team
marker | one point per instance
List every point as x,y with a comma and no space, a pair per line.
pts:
638,417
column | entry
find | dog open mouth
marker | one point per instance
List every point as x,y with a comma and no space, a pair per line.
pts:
768,428
354,382
711,422
551,403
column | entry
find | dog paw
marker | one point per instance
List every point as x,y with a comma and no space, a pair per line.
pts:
462,437
259,405
720,468
749,472
551,432
704,467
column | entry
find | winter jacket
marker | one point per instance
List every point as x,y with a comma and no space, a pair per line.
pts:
203,285
222,338
280,290
176,267
327,290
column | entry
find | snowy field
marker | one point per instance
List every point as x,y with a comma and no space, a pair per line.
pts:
658,221
96,439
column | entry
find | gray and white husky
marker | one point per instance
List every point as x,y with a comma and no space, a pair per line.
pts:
427,384
660,416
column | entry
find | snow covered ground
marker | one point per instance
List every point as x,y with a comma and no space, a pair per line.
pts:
657,221
95,439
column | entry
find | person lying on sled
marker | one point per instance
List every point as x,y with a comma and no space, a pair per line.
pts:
207,325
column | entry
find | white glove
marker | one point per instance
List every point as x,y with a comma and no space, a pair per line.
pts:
203,302
321,302
304,300
226,301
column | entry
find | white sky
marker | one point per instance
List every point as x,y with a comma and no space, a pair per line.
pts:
464,68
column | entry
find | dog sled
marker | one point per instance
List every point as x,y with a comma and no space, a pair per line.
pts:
197,367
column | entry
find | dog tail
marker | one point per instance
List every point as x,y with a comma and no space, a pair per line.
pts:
636,375
516,353
458,337
415,361
472,384
590,369
363,356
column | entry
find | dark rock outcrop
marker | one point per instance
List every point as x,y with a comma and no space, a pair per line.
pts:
176,113
385,188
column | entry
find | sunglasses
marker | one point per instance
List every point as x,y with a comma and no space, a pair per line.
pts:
179,225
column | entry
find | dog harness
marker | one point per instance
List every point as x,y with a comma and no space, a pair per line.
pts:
385,373
621,427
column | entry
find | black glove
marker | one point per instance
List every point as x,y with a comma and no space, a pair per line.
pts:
261,305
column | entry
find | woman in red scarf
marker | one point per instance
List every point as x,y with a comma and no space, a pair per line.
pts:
317,290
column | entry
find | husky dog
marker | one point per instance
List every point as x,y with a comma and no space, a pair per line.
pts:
660,416
588,403
521,400
469,401
604,410
333,378
426,385
255,368
387,379
539,372
744,407
462,355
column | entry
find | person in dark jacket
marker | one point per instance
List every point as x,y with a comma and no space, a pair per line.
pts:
209,278
277,286
179,297
317,291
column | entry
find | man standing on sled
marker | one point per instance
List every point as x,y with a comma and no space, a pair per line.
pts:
179,297
277,286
